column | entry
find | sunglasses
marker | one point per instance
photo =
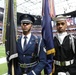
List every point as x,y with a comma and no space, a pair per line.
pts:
26,23
62,23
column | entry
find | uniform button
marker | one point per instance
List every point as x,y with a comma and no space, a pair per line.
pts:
23,55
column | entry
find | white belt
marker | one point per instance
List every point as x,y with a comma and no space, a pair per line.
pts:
24,74
63,63
61,73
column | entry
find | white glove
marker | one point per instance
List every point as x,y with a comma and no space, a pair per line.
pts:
67,73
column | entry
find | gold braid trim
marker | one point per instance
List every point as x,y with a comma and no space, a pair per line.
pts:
51,51
50,74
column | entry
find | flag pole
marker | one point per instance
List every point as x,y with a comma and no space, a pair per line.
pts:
4,29
15,16
4,21
15,21
9,34
47,36
12,67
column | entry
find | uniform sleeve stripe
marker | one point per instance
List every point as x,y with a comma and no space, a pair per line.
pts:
50,51
33,72
39,46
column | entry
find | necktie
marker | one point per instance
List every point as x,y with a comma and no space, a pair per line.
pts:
24,43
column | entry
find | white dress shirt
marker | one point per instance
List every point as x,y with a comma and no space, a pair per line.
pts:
23,39
61,36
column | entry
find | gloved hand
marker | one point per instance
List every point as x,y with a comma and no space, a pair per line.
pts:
67,73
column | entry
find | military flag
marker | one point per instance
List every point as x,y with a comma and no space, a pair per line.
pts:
52,8
10,35
47,36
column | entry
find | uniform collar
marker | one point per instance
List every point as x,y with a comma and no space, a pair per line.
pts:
28,36
62,34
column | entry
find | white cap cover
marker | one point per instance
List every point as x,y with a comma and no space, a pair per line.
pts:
60,17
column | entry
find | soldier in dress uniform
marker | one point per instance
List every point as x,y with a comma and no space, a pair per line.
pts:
31,52
65,56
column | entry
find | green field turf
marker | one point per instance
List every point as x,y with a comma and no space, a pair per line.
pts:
3,68
2,51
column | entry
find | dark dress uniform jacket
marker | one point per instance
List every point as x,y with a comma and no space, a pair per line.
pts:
30,55
64,52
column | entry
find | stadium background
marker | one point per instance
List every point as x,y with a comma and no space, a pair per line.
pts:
36,29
